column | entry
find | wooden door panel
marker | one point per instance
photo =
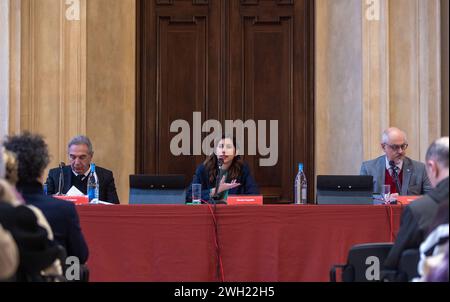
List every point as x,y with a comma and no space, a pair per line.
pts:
264,78
230,60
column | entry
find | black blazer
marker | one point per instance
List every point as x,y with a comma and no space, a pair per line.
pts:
415,223
62,217
107,189
35,250
248,185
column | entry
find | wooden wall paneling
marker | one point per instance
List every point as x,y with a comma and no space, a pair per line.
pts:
181,71
269,80
304,93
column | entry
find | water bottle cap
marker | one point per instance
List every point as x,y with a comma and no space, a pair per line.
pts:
300,166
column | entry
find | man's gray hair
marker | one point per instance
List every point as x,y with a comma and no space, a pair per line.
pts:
438,151
81,140
387,132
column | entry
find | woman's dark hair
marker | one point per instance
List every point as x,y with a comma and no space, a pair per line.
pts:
32,154
212,163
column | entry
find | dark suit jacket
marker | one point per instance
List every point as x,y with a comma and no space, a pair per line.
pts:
62,217
415,223
107,188
414,182
248,185
35,250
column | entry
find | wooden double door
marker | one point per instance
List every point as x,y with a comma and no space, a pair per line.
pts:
230,60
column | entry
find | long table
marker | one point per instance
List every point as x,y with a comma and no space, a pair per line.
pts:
257,243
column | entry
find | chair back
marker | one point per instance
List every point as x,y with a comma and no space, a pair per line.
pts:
363,263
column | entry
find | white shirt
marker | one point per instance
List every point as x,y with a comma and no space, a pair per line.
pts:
388,166
85,173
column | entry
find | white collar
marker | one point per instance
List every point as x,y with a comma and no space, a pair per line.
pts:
388,166
85,173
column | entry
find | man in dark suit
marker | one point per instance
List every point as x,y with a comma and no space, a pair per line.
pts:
417,217
32,156
404,175
80,153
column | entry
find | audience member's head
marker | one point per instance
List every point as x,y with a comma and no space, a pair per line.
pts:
436,161
11,167
80,153
7,193
8,178
394,144
32,155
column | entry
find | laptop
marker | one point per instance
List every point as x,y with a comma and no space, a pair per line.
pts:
345,189
157,189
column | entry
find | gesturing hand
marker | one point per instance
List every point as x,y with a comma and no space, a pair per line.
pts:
224,186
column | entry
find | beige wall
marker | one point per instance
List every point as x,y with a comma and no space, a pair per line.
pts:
445,65
111,86
398,56
58,95
4,67
338,86
414,71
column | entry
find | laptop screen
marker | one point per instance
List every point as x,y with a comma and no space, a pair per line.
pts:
157,189
162,182
344,189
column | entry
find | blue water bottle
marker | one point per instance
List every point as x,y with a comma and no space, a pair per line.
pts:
92,186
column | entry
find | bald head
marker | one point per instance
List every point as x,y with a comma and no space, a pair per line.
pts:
437,160
393,133
394,144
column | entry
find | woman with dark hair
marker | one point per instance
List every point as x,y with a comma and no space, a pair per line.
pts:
234,173
32,155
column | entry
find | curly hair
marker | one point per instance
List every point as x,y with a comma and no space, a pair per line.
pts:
32,154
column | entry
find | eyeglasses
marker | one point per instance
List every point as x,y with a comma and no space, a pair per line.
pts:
397,147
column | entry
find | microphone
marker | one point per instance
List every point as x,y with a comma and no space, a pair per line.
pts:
395,175
61,178
218,179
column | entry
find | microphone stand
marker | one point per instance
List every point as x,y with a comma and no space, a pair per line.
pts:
61,178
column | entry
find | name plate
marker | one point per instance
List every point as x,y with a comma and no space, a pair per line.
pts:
245,200
405,200
77,200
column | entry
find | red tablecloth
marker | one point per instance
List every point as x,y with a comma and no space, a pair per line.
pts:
258,243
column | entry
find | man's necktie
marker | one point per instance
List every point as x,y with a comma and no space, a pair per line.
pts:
396,180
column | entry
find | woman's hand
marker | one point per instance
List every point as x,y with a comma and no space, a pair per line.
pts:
225,186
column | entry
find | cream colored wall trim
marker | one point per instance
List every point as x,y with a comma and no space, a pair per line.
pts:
429,40
111,87
52,81
376,109
415,71
15,65
339,86
445,66
4,67
72,81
